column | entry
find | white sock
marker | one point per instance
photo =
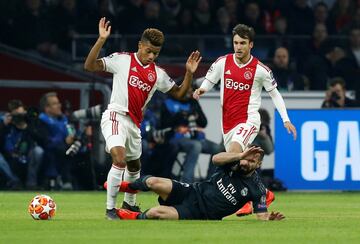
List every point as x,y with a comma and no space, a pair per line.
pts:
114,178
131,177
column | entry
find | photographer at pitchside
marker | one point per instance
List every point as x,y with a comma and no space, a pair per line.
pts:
336,96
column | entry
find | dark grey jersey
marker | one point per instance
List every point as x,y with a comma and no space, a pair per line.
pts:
227,191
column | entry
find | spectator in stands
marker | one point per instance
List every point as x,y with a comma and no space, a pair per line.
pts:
341,13
320,58
130,9
23,138
64,23
61,136
203,16
170,12
185,22
349,66
286,77
300,10
188,122
321,16
222,25
336,95
234,8
252,17
32,30
354,24
103,9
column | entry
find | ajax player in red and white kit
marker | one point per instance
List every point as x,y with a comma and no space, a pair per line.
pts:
242,79
136,78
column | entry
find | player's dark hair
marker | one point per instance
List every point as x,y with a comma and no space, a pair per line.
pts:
244,31
44,99
262,154
154,36
14,104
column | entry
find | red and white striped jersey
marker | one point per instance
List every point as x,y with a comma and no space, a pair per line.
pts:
240,89
134,84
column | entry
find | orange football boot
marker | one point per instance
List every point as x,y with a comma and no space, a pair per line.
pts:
126,214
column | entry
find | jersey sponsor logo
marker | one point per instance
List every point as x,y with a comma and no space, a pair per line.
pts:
244,191
247,75
227,191
151,77
136,82
230,84
228,72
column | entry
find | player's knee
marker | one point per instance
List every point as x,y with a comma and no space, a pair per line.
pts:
133,166
118,158
153,182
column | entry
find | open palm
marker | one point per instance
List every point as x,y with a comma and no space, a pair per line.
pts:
193,62
104,28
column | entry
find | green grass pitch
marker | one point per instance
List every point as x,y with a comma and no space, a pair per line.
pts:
329,217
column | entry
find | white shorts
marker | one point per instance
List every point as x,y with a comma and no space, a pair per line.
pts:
119,130
243,133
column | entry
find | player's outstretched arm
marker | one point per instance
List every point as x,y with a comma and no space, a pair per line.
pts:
270,216
191,66
229,157
92,63
280,106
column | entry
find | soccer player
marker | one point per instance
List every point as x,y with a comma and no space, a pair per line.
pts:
242,79
136,77
235,183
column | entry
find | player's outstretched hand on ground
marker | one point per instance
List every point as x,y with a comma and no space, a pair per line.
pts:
193,62
290,128
276,216
198,92
104,28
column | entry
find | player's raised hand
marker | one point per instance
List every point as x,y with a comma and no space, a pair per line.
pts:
193,62
198,92
290,129
104,28
276,216
250,152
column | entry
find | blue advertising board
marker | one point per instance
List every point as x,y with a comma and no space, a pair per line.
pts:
326,154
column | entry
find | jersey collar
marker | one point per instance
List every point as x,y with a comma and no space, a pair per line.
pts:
138,61
242,65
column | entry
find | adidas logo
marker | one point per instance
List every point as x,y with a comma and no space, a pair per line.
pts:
134,69
228,72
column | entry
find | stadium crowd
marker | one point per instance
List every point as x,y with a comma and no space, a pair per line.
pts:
309,45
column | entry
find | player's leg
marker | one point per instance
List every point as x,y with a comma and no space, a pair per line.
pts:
115,138
132,173
162,212
158,212
133,154
161,186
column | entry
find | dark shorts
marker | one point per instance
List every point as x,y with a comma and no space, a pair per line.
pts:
183,198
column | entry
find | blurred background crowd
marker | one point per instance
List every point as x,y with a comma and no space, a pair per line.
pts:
309,45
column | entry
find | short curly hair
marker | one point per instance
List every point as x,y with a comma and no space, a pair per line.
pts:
154,36
244,31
